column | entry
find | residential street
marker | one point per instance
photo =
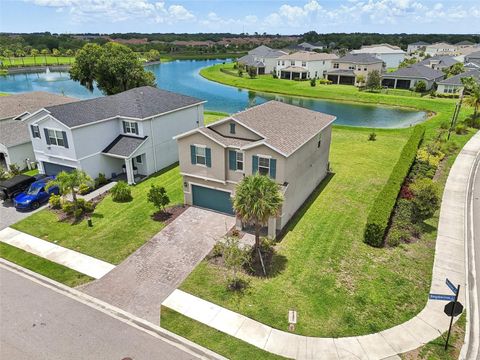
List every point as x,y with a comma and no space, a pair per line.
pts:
38,322
9,215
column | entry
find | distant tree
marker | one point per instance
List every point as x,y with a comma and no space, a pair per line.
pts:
56,53
113,66
407,62
153,55
8,54
34,53
21,54
69,52
373,80
453,70
45,52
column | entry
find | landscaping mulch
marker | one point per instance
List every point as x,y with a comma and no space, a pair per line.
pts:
169,214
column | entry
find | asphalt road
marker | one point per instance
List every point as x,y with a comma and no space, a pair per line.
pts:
37,322
9,215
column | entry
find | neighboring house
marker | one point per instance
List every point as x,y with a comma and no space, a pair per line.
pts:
304,65
454,85
464,44
416,47
473,58
305,46
127,134
346,69
262,58
407,77
391,55
290,144
15,145
439,62
441,48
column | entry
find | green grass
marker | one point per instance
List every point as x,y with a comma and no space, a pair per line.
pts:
37,61
212,116
119,228
31,172
222,344
42,266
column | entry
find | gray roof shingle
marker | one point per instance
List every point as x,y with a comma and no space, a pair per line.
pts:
415,71
249,60
124,145
361,58
457,79
140,103
439,60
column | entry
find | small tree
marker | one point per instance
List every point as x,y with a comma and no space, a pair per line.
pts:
34,53
21,54
69,182
420,86
157,195
361,80
313,82
153,55
56,53
240,72
252,72
8,54
45,52
426,198
373,80
234,258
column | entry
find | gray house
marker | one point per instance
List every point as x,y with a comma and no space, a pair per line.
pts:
407,77
15,145
128,134
454,85
439,62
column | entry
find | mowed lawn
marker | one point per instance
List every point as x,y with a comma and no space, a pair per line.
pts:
118,228
338,285
37,61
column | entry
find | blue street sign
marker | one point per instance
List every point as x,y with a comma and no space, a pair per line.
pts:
451,286
441,297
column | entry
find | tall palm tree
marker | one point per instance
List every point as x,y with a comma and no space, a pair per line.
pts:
8,54
69,182
34,53
56,53
45,52
21,54
257,198
472,94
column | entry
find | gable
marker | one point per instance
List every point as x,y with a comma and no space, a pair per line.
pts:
241,131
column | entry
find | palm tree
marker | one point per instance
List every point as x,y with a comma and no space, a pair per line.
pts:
45,52
69,182
257,198
34,53
56,53
21,54
8,54
472,94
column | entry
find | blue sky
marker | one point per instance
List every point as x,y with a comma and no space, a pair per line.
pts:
271,16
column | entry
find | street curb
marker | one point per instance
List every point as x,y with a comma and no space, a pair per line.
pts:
152,329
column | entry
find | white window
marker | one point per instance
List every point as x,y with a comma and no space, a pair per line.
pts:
55,137
200,155
278,62
35,131
130,127
335,66
283,62
138,159
239,161
264,165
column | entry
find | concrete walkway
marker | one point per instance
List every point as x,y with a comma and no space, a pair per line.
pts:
74,260
426,326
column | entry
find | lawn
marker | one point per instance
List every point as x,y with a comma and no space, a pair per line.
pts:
37,61
212,116
118,228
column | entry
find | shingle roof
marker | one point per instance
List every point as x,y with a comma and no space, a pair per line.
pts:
474,55
308,56
225,140
415,71
284,127
359,59
457,79
249,60
295,69
13,132
124,145
465,42
140,103
379,49
441,60
260,50
14,105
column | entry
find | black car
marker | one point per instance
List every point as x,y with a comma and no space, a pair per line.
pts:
17,184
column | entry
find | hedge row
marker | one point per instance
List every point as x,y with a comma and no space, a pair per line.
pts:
379,217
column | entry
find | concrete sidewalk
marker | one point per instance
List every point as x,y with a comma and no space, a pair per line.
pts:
423,328
74,260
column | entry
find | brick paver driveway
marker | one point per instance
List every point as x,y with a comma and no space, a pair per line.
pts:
146,278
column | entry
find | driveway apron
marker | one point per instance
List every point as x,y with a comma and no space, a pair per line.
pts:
146,278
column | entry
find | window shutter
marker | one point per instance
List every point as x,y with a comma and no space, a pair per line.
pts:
33,132
254,164
136,128
232,128
124,127
208,157
47,139
193,155
273,168
65,141
232,160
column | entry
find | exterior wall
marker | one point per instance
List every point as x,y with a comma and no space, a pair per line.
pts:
18,154
413,81
445,50
270,64
449,89
316,68
360,69
391,60
101,163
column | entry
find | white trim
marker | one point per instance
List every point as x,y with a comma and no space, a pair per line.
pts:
197,130
54,156
19,116
200,145
203,178
89,156
36,112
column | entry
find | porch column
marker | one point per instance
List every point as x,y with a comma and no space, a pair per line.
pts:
395,84
129,171
338,79
272,228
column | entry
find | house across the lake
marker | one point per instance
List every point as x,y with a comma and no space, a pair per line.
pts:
15,145
346,69
407,77
289,144
263,59
303,65
391,55
127,135
416,46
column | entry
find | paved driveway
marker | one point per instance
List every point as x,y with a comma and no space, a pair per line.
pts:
146,278
9,215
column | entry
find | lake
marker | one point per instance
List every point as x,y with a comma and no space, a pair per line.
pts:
183,76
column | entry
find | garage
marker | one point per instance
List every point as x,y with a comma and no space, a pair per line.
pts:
212,199
53,169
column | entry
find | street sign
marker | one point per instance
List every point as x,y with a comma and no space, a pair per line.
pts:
441,297
451,286
453,308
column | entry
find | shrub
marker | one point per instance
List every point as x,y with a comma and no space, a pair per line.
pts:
252,72
460,129
444,125
84,189
473,121
324,81
379,216
100,180
274,74
420,86
313,82
121,192
426,198
397,236
372,136
78,213
4,175
157,195
68,207
89,207
217,250
55,201
240,72
15,169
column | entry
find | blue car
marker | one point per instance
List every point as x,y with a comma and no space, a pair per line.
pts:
36,194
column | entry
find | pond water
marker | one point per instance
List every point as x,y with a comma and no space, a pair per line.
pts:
183,76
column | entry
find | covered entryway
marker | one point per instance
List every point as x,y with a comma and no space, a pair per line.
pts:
213,199
53,169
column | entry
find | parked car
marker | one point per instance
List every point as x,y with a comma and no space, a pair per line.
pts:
14,186
35,195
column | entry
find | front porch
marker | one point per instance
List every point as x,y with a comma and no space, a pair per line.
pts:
341,77
294,73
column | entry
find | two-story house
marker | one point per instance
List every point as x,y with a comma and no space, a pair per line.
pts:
391,55
303,65
346,69
128,134
290,144
262,58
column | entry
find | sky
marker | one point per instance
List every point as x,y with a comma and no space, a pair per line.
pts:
270,16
